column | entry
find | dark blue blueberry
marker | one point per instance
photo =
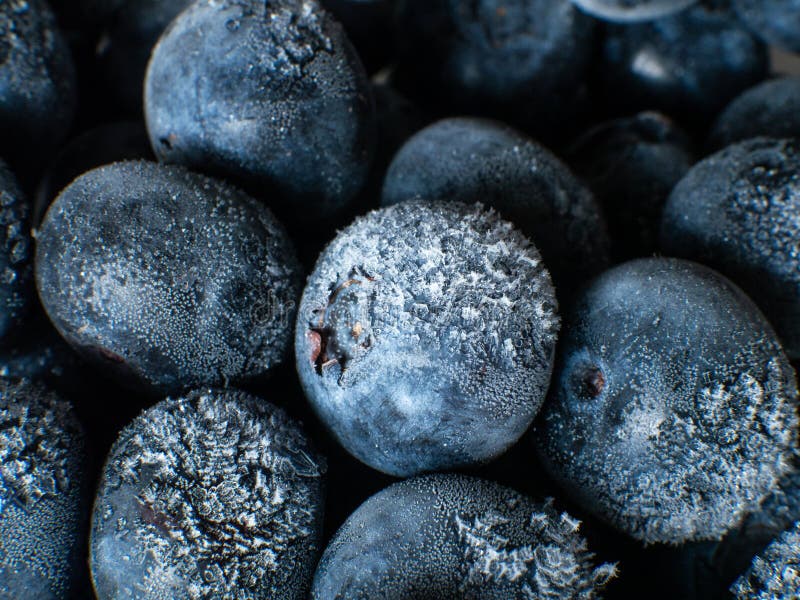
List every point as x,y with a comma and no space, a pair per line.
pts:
167,278
632,164
368,24
44,504
522,61
673,410
271,94
770,109
775,21
689,65
630,11
425,336
474,160
218,494
775,573
453,536
738,211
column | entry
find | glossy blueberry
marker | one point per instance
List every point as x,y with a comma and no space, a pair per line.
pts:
218,494
672,413
738,211
629,11
474,160
776,21
775,573
522,61
688,65
368,24
43,495
452,536
770,109
167,278
270,94
425,336
631,164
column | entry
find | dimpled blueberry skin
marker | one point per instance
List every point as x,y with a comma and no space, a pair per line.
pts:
776,21
168,278
214,495
425,336
271,94
672,412
770,109
452,536
775,573
37,81
43,500
628,11
475,160
738,211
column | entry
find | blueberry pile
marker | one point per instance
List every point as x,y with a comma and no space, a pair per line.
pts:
399,299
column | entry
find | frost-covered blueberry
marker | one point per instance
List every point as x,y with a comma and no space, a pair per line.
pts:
452,536
770,109
44,504
776,21
270,94
629,11
775,573
218,494
425,336
475,160
738,211
167,278
672,413
632,164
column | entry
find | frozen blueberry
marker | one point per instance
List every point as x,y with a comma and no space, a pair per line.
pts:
519,60
688,65
776,21
632,164
738,211
271,94
425,336
770,109
368,24
672,412
474,160
775,573
167,278
44,504
453,536
218,494
37,82
628,11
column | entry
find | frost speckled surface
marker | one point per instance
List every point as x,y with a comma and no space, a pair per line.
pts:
170,278
672,412
453,536
775,573
425,336
214,495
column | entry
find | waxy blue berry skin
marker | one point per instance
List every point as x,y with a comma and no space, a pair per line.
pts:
673,410
776,21
631,11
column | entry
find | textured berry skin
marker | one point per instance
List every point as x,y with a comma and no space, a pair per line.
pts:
775,21
451,536
673,410
214,495
631,11
167,278
43,495
425,336
270,94
475,160
775,573
738,211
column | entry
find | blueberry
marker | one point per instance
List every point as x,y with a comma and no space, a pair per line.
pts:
214,495
474,160
776,21
739,212
632,164
37,82
368,24
453,536
425,336
688,65
775,573
629,11
271,94
43,495
519,60
167,278
770,109
672,412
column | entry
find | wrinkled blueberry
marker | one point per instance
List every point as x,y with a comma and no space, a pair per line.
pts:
629,11
214,495
44,504
425,336
474,160
271,94
775,573
738,211
776,21
167,278
368,24
672,412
